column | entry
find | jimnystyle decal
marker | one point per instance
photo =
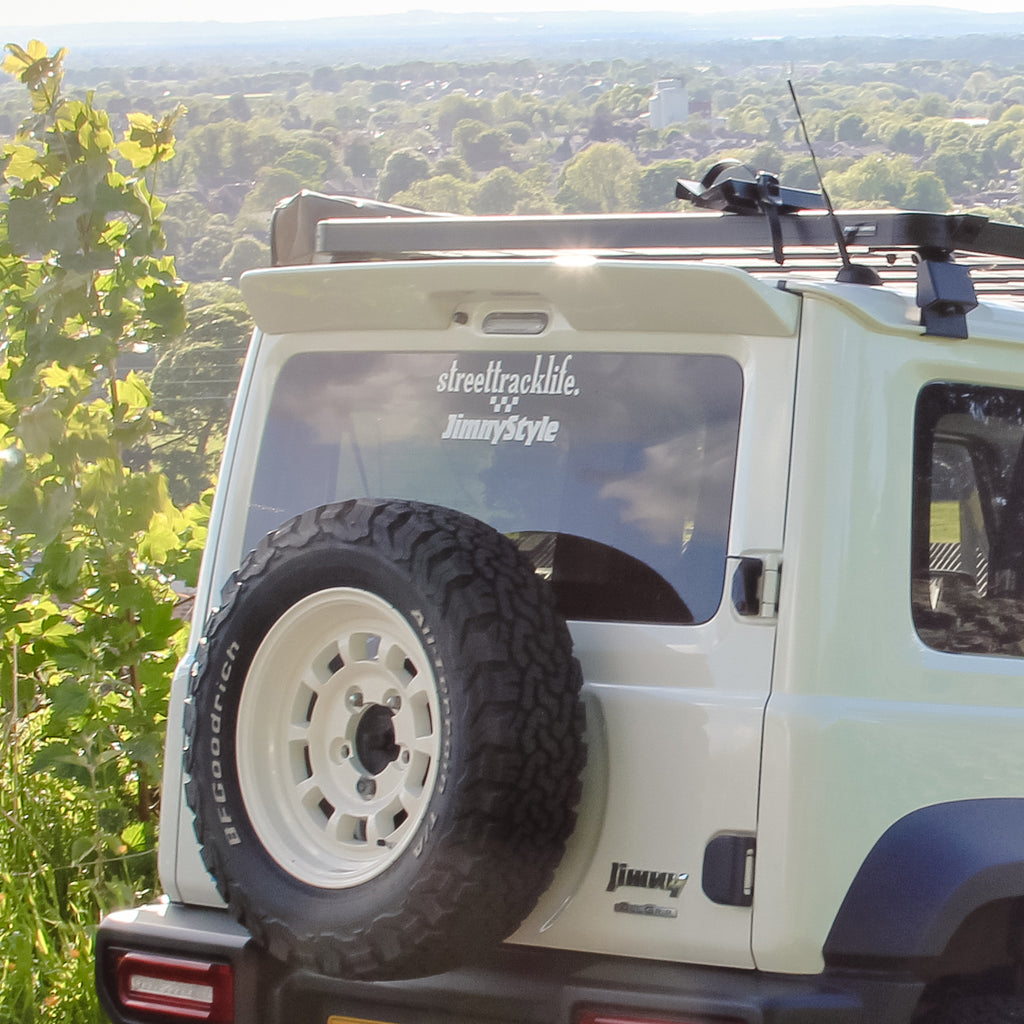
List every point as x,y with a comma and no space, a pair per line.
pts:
505,385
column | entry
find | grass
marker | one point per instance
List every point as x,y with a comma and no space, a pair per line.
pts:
58,874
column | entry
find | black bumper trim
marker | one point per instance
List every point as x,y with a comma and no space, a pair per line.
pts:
514,985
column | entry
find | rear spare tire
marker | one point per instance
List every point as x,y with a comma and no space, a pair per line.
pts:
384,739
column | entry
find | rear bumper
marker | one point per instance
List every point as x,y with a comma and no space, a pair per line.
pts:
515,985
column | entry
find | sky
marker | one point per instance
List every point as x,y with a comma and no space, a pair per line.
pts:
65,12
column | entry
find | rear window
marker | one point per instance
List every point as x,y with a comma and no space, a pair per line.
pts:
613,472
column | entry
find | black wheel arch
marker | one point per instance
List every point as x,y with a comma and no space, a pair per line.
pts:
926,875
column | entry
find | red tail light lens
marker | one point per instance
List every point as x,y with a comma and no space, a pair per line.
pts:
170,989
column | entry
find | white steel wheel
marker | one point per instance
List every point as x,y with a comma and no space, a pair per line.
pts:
341,741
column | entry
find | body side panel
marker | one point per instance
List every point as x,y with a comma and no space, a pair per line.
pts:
865,724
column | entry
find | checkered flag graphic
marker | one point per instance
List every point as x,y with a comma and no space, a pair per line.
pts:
504,403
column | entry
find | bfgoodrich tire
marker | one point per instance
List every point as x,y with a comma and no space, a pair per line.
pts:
384,739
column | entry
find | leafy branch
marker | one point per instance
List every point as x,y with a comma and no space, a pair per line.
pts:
88,547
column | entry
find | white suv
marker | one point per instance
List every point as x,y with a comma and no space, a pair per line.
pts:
632,631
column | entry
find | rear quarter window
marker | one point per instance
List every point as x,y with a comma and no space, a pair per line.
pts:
968,537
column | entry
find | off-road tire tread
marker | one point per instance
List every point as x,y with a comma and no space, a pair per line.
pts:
520,777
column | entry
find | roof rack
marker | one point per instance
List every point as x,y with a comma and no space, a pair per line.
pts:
331,229
345,239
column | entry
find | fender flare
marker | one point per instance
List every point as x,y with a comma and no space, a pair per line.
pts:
926,874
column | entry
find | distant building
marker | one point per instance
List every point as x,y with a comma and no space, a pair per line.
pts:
670,103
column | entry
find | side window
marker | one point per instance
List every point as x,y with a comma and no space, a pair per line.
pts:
968,536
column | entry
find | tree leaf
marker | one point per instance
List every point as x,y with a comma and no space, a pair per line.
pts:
41,426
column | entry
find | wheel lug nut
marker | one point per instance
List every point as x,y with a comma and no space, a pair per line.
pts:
394,702
366,788
355,699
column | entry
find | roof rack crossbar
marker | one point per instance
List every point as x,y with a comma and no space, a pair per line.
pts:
345,240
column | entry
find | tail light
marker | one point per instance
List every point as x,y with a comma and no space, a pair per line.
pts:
167,988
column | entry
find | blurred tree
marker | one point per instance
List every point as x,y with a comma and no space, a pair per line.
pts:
443,194
601,126
851,128
519,132
238,107
272,185
401,169
455,166
656,186
955,168
245,254
907,139
933,104
926,192
871,181
202,261
601,179
499,192
309,166
458,107
481,146
194,385
325,79
358,157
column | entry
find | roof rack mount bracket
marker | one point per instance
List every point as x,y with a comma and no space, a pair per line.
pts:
945,294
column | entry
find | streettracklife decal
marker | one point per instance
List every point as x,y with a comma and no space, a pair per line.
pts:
504,387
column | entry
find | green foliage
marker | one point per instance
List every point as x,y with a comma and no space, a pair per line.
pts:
245,254
88,544
48,889
257,133
459,107
272,185
443,194
873,180
656,186
481,146
193,386
359,157
499,192
851,128
453,165
926,192
401,169
601,179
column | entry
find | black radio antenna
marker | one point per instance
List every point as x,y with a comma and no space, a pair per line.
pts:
851,273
